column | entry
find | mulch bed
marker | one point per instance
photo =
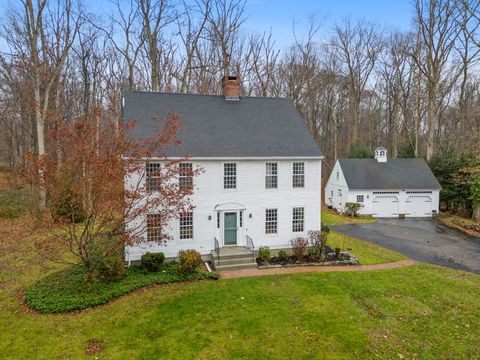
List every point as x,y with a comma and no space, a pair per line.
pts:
331,259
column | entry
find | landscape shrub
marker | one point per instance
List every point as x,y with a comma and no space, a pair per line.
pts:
16,202
111,268
68,206
282,255
190,260
351,208
299,246
314,253
264,254
152,261
317,242
67,290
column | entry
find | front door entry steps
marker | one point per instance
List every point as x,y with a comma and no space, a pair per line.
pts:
233,257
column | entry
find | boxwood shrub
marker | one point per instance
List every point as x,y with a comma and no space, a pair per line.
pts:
67,290
152,261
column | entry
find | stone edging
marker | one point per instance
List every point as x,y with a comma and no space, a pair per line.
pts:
353,261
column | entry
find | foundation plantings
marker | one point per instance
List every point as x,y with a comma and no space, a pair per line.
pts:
312,250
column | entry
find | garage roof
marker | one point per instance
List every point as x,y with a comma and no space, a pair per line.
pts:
395,174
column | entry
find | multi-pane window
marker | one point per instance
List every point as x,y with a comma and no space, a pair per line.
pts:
241,218
360,198
154,230
298,216
185,176
186,225
338,175
298,174
218,220
229,176
271,221
153,176
271,177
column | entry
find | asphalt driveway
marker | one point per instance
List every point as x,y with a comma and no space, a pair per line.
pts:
426,240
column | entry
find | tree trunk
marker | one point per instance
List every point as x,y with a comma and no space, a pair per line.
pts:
40,130
476,213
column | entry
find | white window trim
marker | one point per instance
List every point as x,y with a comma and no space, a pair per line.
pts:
180,227
147,227
180,176
302,174
236,176
266,174
147,177
303,219
265,222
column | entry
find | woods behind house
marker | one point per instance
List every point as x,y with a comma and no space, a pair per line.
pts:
357,85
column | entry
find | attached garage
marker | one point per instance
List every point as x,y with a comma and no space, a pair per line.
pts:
385,206
418,206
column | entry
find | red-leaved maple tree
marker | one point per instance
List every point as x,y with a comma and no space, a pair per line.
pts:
92,214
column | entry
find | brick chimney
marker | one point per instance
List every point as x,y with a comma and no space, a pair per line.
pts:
231,87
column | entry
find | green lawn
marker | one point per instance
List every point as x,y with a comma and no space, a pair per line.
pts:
331,218
366,252
418,312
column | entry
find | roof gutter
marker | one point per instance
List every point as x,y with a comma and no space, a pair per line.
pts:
206,158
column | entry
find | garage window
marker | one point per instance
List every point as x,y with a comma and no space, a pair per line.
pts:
360,198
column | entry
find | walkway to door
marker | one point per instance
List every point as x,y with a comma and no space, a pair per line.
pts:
240,273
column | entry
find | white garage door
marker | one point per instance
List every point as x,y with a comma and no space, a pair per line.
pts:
385,206
418,206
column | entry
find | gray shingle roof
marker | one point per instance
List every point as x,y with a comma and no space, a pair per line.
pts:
393,174
214,127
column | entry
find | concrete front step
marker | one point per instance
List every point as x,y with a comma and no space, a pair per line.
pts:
233,253
235,260
236,266
234,257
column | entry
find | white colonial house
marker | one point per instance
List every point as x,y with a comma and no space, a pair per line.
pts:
384,187
262,169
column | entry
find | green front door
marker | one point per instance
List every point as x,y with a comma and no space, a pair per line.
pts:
230,228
